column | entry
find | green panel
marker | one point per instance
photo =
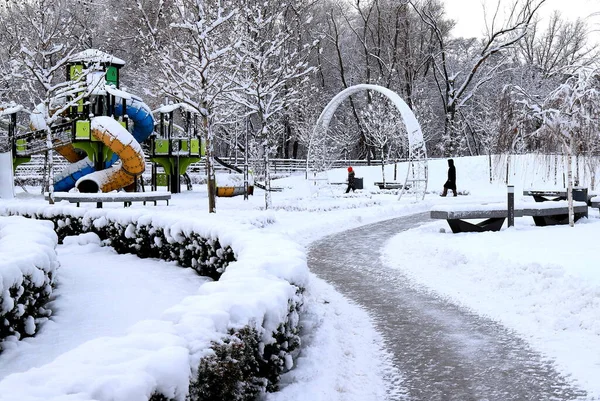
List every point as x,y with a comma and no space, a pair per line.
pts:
165,162
162,179
75,72
21,145
195,147
161,146
80,106
184,163
185,145
20,160
82,130
112,75
94,150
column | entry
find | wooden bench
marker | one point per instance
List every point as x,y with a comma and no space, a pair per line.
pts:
494,214
126,197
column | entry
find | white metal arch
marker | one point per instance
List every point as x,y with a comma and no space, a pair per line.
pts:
416,177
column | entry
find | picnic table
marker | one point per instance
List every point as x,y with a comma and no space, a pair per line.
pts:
579,194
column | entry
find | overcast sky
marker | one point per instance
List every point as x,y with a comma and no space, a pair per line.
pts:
469,13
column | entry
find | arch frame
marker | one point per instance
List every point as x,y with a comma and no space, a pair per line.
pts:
417,172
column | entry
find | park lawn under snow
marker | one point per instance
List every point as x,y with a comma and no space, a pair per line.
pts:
541,282
99,293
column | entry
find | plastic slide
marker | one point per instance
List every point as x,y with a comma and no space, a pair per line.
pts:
111,134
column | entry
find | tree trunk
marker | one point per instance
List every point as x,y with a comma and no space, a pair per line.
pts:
383,165
210,167
50,164
267,176
569,149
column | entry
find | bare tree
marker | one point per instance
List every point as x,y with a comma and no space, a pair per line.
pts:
567,113
385,128
47,38
194,64
272,74
457,85
562,44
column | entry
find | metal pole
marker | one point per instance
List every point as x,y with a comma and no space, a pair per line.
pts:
511,205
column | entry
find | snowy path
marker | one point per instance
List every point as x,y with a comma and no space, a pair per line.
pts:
100,293
444,352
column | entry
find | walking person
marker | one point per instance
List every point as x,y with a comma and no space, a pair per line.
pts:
350,180
451,182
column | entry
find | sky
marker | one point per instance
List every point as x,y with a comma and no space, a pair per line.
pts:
551,302
470,21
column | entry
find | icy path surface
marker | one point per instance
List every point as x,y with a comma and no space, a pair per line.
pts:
442,351
99,293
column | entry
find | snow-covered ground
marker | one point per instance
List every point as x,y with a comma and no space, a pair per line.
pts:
540,281
111,291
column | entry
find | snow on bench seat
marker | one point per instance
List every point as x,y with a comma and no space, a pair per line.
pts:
552,208
126,197
595,201
543,213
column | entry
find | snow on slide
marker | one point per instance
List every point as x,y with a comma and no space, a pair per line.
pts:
110,132
99,293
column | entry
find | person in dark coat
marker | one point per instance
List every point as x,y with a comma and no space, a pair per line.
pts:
451,182
350,180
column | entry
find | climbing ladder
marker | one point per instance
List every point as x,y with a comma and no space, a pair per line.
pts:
417,174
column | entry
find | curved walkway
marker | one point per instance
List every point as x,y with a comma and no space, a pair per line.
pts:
443,351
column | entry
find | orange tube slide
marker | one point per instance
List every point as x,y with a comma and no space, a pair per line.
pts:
120,141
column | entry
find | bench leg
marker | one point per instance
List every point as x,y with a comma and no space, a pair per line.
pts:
99,205
557,219
461,226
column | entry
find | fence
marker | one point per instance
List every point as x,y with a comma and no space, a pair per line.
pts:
34,169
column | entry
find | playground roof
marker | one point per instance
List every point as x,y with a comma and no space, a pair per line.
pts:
170,107
95,55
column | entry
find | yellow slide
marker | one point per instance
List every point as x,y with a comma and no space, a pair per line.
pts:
121,142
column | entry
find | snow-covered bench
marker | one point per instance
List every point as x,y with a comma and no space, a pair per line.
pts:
555,212
389,185
126,197
494,214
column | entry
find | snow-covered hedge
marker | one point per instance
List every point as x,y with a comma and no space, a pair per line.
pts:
27,271
230,341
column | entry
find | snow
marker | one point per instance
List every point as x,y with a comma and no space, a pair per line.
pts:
95,56
6,176
541,282
174,106
108,307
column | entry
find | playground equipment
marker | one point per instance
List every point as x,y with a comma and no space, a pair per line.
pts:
176,146
92,134
416,177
